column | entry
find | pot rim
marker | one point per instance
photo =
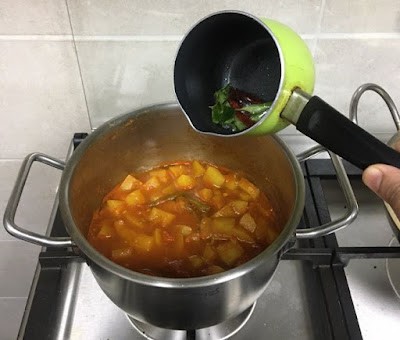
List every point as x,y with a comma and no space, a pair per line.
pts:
179,283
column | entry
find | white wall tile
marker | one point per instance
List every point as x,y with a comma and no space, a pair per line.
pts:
42,102
37,198
122,76
121,17
34,17
297,143
343,65
361,16
11,311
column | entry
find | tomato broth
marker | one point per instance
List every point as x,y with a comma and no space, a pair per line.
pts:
185,219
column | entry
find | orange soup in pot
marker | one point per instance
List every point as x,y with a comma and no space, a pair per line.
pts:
184,219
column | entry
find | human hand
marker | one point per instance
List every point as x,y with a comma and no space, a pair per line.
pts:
384,180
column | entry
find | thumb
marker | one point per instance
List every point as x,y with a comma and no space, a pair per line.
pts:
384,180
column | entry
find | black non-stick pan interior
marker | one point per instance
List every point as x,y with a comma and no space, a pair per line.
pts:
224,49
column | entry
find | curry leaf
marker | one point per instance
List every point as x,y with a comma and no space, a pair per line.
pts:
222,111
234,124
256,108
239,124
221,96
224,114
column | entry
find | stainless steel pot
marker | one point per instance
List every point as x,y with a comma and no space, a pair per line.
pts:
143,139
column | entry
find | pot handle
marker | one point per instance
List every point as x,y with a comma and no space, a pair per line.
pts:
353,114
322,123
11,209
351,202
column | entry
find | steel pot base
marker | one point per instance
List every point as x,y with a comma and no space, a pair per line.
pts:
224,330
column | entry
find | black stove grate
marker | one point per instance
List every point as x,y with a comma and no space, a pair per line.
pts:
327,287
326,281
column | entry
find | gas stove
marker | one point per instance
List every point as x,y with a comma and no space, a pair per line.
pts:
342,286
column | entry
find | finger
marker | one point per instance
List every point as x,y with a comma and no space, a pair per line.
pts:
384,180
396,145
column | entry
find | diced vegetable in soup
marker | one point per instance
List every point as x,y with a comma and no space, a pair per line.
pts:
185,219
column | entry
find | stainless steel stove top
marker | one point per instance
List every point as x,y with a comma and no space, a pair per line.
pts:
281,311
376,302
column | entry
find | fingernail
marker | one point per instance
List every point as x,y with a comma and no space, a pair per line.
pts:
372,178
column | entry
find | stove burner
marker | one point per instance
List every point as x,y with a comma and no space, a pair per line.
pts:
221,331
393,269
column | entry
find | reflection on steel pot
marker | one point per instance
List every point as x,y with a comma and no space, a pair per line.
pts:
143,139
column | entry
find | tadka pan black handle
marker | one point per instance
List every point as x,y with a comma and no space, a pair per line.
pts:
321,122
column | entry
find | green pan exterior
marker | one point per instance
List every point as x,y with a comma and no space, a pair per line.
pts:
298,72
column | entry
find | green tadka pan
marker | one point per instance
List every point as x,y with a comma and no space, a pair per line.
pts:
269,60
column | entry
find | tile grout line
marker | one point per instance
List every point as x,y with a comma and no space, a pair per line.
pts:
8,159
318,30
14,240
173,38
17,240
79,66
349,36
34,37
11,159
72,37
321,16
176,38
